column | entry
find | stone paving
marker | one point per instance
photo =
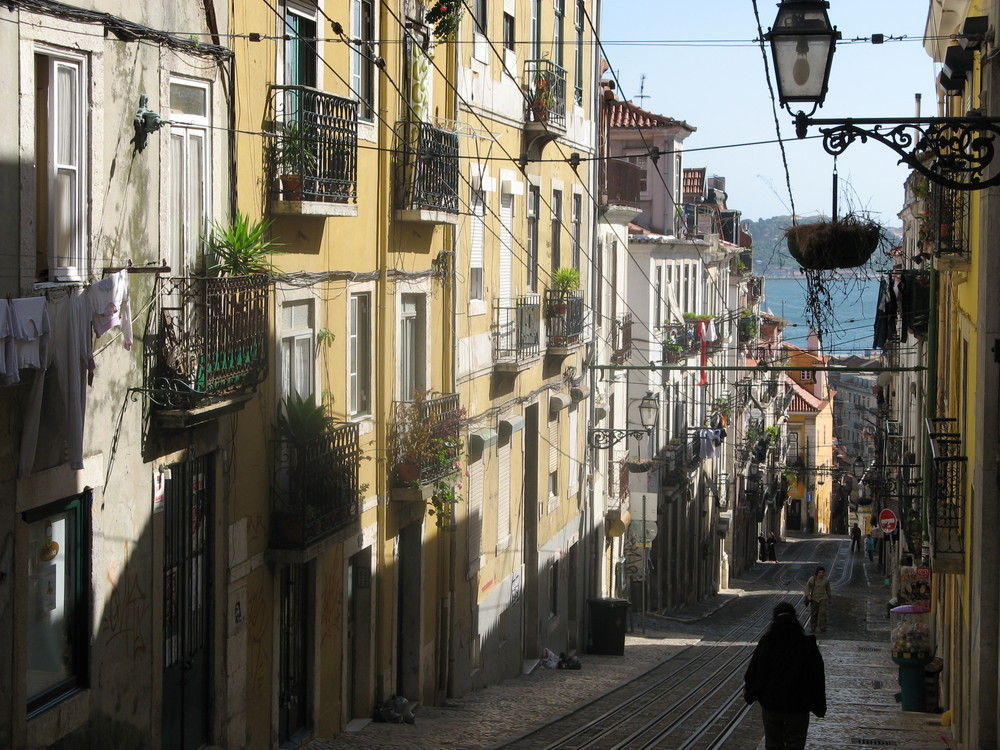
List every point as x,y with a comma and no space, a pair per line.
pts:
861,684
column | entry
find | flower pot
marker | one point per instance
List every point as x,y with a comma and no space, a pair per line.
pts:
291,187
638,467
407,474
539,112
826,245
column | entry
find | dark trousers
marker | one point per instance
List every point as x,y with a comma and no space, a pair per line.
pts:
855,544
783,730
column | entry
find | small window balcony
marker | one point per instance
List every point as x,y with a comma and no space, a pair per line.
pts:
426,173
947,501
316,488
517,332
425,443
545,89
564,320
314,154
621,339
622,183
208,346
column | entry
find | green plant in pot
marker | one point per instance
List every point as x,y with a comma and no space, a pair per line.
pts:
302,420
242,247
672,351
294,156
564,280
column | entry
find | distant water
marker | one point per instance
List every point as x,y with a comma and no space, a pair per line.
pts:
851,326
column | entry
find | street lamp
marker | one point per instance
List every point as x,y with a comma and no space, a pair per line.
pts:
649,408
802,44
858,468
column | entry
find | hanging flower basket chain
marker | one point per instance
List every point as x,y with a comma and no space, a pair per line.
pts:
825,245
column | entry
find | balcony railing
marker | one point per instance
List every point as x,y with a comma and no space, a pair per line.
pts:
623,182
545,86
563,317
948,495
211,340
621,339
517,328
427,167
945,231
316,142
316,487
439,421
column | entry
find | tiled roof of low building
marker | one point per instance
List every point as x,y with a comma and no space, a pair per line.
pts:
628,115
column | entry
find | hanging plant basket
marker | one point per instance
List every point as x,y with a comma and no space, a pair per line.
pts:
825,245
638,467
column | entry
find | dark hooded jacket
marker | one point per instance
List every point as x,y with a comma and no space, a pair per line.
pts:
786,674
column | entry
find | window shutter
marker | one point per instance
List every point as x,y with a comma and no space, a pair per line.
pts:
574,460
503,496
477,471
553,443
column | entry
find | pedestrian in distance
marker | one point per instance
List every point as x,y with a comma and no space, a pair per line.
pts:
870,547
763,546
855,538
818,595
772,543
786,676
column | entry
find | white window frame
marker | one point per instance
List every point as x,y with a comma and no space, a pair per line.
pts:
358,62
184,259
359,355
416,380
78,252
297,336
477,244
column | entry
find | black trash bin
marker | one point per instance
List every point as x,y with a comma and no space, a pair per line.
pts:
608,619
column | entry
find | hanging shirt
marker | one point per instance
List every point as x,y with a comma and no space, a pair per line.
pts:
8,366
109,303
30,329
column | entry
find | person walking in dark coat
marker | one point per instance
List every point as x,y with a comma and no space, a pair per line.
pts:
772,544
855,538
763,546
786,676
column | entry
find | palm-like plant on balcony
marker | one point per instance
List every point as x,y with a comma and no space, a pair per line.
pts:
302,420
242,247
564,281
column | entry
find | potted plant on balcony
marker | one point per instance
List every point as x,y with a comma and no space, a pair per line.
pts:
302,420
672,352
294,156
542,98
564,281
242,247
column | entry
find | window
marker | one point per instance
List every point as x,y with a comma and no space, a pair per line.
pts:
190,173
479,15
297,350
534,198
57,612
477,229
300,56
557,31
477,480
553,461
793,446
577,219
658,298
578,90
556,227
359,355
806,376
363,56
508,31
61,151
411,346
503,496
574,456
536,29
641,160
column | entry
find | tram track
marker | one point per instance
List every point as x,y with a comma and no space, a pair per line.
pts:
693,700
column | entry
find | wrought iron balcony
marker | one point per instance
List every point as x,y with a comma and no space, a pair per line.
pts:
545,86
209,339
516,330
623,183
426,440
426,168
316,487
315,154
945,229
621,339
947,512
563,317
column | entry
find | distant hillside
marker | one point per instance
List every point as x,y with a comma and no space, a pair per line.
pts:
770,254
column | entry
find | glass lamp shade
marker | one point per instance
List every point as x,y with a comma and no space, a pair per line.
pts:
648,409
802,45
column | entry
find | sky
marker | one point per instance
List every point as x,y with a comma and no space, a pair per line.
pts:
701,66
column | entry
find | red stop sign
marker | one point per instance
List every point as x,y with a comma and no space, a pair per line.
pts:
887,521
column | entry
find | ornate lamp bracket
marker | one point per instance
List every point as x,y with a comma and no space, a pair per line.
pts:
604,438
